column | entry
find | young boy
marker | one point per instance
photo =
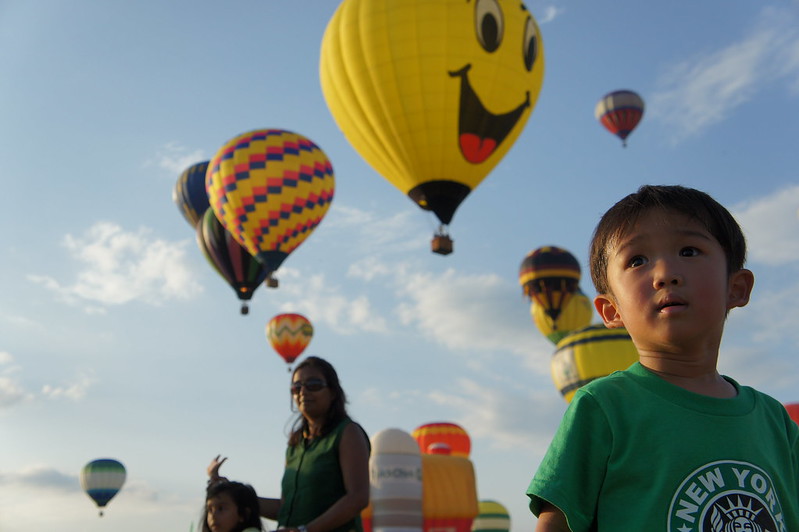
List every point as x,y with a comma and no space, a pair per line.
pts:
669,444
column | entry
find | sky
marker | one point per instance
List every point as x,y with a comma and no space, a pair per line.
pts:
118,340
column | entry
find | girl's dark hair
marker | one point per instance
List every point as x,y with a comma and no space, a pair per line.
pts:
338,410
697,205
245,499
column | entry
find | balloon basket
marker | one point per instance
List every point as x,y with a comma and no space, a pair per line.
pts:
271,282
441,244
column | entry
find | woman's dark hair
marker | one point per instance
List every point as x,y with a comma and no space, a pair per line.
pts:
338,410
245,499
697,205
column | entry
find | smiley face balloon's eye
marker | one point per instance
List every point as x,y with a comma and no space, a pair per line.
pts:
489,24
530,44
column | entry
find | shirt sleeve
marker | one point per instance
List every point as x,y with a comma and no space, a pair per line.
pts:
573,469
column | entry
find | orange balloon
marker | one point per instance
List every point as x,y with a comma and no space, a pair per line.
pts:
431,435
793,411
289,335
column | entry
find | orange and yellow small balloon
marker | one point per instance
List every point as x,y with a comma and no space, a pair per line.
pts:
431,438
289,334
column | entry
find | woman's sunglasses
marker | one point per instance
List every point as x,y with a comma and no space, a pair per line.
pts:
311,385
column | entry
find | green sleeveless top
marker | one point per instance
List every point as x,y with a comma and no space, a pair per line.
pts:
313,481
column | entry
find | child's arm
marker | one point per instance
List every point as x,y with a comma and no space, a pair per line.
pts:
551,519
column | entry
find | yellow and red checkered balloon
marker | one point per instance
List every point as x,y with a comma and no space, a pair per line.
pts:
270,188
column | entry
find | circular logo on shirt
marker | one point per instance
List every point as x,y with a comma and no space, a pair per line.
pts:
726,496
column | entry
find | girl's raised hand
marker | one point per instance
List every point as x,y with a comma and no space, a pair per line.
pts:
213,468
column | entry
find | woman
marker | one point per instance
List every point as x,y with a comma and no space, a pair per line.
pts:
326,481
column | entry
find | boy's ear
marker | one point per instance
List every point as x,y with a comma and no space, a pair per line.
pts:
607,310
740,288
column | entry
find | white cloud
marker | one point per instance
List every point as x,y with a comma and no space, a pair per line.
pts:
120,267
44,498
75,391
771,224
505,418
323,301
703,90
549,13
379,232
467,312
175,158
11,392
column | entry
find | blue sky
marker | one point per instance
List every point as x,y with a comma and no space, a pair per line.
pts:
118,340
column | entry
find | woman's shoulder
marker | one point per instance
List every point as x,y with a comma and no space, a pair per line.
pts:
353,431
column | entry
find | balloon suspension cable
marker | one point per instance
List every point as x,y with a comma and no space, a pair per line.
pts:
441,243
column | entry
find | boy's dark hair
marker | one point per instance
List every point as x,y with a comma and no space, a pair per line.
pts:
699,206
338,410
245,499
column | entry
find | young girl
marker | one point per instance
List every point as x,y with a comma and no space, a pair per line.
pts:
231,507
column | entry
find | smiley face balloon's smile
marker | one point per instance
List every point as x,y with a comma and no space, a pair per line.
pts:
479,130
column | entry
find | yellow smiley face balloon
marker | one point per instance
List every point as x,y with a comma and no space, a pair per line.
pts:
432,93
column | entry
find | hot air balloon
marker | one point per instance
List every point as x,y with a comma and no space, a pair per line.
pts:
432,94
550,276
590,353
289,335
101,479
575,314
189,193
492,517
793,411
395,477
449,493
429,435
270,188
620,112
232,261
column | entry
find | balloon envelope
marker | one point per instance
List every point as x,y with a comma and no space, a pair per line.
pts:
102,479
492,517
451,434
590,353
793,411
189,193
549,276
243,272
620,112
432,94
575,314
270,188
289,335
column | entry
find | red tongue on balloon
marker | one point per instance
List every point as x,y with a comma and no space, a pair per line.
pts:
475,149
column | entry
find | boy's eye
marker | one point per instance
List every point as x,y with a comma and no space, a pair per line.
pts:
636,261
689,252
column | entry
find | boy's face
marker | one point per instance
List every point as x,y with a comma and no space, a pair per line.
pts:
669,283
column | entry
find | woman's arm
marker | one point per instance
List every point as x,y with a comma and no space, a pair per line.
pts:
269,508
354,458
551,519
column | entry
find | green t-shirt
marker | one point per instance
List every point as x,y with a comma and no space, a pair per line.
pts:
313,481
636,453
